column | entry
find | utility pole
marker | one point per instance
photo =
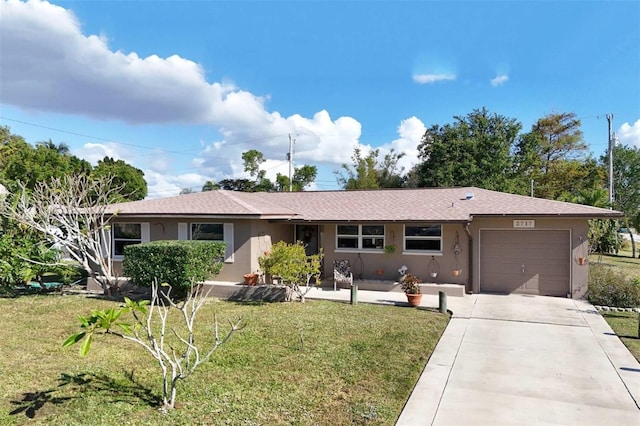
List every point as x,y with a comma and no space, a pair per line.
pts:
290,158
532,187
611,142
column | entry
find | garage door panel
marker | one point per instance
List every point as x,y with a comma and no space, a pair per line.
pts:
534,262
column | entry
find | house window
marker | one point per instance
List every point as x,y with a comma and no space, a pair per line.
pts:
423,238
207,231
125,234
360,237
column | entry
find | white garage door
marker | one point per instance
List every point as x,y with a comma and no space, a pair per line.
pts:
531,262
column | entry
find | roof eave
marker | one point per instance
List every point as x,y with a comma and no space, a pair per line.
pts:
613,214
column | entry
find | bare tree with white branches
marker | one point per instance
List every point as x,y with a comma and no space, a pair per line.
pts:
72,213
176,353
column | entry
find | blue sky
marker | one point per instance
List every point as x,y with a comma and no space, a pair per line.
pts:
181,88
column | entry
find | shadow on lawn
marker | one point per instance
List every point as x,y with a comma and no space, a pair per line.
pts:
74,386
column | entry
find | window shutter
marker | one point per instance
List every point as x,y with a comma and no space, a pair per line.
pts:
183,231
145,232
106,243
228,239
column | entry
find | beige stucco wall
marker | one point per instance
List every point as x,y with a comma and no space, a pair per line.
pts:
254,237
365,264
577,228
167,229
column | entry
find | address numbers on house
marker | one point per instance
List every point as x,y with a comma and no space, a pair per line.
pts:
520,223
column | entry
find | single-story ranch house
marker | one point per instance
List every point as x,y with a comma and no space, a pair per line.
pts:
486,241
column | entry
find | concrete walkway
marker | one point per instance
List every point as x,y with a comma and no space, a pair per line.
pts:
519,360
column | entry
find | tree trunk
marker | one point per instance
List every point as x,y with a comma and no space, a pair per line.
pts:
633,244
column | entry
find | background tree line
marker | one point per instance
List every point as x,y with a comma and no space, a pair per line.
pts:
30,164
27,254
490,151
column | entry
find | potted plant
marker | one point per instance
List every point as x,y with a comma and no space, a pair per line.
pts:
389,249
250,278
410,284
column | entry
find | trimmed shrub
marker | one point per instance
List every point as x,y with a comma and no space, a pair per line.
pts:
178,263
608,287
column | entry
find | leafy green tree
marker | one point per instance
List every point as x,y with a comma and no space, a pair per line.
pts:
369,172
626,177
362,174
291,263
19,161
62,148
129,179
474,150
554,156
603,233
210,186
302,177
244,185
79,225
25,255
252,160
390,174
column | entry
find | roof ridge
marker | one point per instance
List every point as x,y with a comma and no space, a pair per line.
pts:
232,197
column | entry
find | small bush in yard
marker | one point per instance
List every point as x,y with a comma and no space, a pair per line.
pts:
608,287
179,263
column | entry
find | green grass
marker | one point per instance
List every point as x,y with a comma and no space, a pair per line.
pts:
622,261
625,325
314,363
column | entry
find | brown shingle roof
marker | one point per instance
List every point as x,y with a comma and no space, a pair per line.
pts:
389,205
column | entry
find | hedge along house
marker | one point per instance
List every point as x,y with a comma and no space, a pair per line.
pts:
486,241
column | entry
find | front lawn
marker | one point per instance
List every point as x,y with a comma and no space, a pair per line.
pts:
622,261
625,325
314,363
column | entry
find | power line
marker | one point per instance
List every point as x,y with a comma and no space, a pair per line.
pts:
183,152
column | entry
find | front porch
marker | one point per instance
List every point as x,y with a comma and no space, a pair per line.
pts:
452,290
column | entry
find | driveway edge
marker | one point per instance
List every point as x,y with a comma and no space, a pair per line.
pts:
626,366
422,406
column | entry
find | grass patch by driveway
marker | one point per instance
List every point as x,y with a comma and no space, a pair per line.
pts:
625,325
622,261
314,363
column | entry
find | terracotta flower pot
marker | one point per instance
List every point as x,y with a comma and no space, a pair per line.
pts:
250,279
582,261
379,272
414,299
456,272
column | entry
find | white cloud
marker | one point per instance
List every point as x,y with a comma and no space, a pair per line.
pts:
630,134
499,80
432,78
159,162
48,64
163,185
411,132
92,152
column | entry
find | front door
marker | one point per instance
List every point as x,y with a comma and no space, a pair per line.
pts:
308,234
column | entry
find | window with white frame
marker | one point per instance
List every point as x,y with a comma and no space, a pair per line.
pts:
125,234
423,238
207,231
360,237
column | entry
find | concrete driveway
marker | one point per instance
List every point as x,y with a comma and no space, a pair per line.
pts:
526,360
